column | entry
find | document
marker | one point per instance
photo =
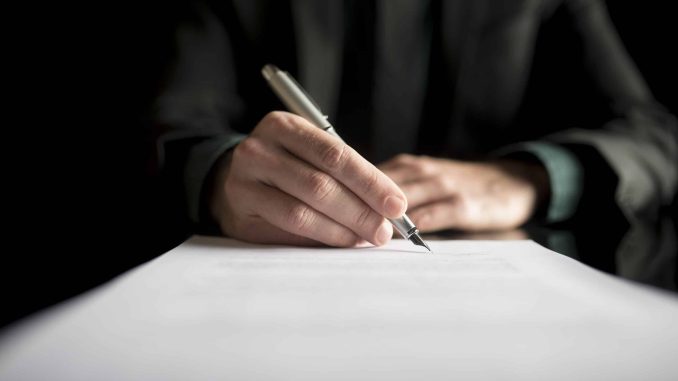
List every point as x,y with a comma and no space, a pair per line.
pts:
220,309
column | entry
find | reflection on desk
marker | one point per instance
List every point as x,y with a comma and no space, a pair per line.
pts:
645,252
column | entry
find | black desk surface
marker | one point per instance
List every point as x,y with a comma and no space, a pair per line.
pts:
644,251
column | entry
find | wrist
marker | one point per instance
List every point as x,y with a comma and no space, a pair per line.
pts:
214,198
533,174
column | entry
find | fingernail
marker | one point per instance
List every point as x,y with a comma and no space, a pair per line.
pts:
395,206
384,233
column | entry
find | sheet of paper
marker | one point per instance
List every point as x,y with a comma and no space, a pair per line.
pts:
220,309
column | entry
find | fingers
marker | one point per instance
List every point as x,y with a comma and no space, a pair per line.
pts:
397,161
457,212
264,232
291,182
423,179
332,156
501,235
261,231
404,168
469,196
323,193
443,214
293,216
434,200
428,190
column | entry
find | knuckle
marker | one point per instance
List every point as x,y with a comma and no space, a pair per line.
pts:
334,156
277,122
300,218
363,218
248,148
422,167
370,182
404,158
321,185
275,119
441,184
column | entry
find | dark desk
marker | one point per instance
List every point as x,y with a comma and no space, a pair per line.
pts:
645,251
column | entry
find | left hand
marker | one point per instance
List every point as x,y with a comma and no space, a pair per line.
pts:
469,196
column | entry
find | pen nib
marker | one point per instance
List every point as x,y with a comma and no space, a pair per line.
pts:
416,239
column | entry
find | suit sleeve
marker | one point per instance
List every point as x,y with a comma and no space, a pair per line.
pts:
639,145
193,111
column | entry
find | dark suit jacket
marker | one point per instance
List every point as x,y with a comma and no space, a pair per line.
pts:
505,72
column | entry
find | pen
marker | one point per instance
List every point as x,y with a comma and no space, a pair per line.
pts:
297,101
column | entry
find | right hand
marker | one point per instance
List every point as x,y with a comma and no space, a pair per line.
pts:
290,182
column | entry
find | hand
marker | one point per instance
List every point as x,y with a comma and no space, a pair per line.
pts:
470,196
290,182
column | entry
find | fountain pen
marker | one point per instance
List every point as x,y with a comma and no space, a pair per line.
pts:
297,101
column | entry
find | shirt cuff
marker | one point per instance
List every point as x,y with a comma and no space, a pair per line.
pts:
566,176
201,158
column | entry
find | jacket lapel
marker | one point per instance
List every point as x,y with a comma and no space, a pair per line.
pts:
319,37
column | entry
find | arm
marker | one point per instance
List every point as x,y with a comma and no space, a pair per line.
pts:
640,143
194,110
625,165
285,182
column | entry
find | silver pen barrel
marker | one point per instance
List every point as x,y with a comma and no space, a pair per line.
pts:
294,97
296,100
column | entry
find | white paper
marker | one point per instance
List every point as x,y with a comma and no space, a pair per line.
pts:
220,309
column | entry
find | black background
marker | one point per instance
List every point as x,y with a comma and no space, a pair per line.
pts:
82,200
